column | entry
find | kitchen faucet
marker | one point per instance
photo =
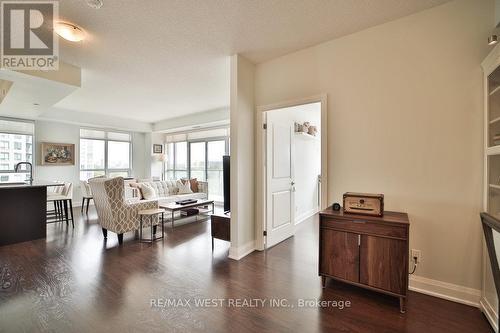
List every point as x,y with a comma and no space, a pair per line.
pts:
16,169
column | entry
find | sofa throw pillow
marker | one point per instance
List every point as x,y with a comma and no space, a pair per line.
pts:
194,184
139,190
184,187
148,192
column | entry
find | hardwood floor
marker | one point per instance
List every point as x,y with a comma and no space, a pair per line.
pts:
73,281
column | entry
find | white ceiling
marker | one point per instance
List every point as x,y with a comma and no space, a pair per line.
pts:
151,60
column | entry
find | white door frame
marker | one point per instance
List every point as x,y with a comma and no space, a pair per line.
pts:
260,154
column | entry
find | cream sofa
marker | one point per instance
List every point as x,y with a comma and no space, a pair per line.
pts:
167,191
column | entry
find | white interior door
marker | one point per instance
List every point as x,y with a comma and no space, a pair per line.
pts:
279,175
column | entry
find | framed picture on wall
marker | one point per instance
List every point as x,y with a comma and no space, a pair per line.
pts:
57,153
157,149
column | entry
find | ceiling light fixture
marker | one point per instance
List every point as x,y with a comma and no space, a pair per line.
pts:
69,31
96,4
492,40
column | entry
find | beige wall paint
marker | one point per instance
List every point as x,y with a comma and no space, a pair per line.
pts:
242,157
405,119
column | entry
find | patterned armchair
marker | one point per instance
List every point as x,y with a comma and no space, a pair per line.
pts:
115,212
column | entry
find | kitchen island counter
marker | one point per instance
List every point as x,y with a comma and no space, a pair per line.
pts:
23,211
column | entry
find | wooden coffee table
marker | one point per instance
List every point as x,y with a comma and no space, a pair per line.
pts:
172,207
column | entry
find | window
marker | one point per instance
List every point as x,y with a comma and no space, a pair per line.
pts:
180,160
92,156
104,153
198,155
14,137
118,155
198,160
169,148
215,149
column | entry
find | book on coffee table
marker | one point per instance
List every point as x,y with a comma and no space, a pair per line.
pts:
190,211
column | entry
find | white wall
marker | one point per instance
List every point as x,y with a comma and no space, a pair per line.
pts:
58,133
405,119
46,131
306,158
139,154
242,157
153,163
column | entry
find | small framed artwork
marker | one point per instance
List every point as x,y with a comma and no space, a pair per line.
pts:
157,149
57,153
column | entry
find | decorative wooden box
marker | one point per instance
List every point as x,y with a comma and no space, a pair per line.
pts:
363,203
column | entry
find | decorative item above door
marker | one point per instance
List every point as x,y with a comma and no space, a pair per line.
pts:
306,128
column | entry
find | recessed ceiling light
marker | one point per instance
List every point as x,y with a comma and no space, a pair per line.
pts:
492,40
69,31
96,4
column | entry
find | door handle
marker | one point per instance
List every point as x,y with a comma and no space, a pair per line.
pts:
292,183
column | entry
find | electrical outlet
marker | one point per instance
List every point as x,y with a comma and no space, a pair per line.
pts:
416,254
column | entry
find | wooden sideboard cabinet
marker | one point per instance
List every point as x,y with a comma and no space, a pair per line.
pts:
366,251
221,227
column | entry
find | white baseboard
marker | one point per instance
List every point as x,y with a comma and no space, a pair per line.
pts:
304,216
489,312
445,290
237,253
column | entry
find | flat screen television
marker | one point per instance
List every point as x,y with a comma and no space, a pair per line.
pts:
226,180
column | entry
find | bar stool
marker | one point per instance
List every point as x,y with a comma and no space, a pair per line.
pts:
57,213
62,200
86,194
